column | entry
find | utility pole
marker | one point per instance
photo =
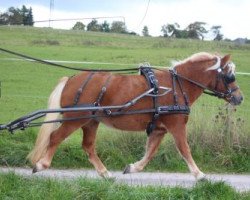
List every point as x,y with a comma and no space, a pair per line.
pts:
51,10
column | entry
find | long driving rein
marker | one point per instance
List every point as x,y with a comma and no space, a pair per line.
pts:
227,78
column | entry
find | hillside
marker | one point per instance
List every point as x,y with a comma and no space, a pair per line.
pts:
94,46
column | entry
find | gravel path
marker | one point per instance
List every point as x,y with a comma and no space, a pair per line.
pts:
239,182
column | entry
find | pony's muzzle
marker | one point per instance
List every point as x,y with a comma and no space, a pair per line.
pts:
236,100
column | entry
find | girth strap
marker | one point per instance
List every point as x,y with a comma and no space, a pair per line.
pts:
103,90
148,73
101,94
80,90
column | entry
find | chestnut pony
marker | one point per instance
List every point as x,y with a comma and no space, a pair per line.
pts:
200,71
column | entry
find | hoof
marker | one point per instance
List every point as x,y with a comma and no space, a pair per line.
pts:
107,175
35,170
131,168
127,169
38,167
201,177
202,180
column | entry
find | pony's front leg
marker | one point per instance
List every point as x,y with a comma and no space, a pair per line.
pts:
152,145
180,136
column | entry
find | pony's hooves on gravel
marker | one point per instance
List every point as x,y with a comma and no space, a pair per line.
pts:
35,170
131,169
203,179
39,167
127,169
107,175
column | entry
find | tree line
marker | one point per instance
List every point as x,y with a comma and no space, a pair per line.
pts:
114,27
16,16
195,30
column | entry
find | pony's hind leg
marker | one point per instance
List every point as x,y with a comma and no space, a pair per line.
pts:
56,138
88,144
152,145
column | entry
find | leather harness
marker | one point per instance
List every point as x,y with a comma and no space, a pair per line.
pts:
106,111
146,71
149,75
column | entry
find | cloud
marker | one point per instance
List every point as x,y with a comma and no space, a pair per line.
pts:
232,18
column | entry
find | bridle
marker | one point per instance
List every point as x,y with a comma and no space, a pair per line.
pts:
227,79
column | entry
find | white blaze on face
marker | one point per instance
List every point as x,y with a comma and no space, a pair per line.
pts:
231,67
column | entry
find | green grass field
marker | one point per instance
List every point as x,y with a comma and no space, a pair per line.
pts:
17,187
25,87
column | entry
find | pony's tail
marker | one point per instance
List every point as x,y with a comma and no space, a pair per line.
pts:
45,131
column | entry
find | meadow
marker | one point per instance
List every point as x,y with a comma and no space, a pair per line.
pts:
219,136
13,187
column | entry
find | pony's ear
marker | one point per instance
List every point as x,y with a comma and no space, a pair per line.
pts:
225,59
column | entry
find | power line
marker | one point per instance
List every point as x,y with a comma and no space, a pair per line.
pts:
146,12
51,10
75,19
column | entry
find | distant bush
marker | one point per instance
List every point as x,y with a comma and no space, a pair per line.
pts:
52,42
46,42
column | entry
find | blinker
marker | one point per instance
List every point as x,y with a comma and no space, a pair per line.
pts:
229,78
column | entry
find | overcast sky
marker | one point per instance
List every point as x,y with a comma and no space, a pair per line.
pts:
232,15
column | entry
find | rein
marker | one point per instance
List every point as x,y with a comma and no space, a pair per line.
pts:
209,91
67,67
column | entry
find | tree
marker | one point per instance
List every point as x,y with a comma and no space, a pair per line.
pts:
94,26
170,30
4,19
105,27
181,34
24,13
145,31
173,30
132,33
216,31
29,18
16,16
118,27
79,26
196,30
